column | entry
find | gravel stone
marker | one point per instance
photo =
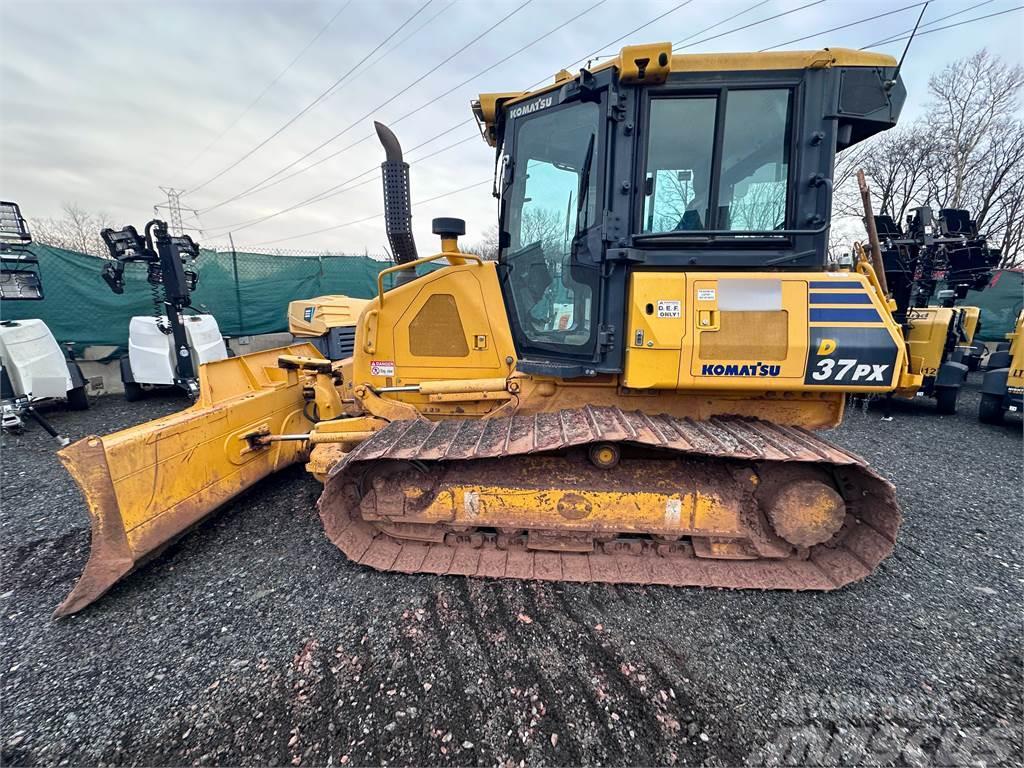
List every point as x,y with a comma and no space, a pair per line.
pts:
252,640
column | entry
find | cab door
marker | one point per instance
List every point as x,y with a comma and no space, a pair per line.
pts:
550,204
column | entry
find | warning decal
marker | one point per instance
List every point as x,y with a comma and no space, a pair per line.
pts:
669,309
382,367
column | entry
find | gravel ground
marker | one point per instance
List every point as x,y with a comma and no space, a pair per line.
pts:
252,641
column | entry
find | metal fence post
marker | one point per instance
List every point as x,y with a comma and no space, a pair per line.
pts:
238,288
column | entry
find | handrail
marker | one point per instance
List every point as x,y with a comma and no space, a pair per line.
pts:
413,265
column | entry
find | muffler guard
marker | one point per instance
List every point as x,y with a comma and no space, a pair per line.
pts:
146,485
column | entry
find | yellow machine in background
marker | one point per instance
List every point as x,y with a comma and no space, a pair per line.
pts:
1002,389
625,395
969,351
928,252
327,322
937,339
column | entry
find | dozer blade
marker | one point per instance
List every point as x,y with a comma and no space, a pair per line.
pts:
599,494
146,485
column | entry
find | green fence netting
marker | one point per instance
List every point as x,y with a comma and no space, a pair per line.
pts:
1000,303
248,293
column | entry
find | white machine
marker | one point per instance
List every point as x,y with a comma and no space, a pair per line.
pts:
33,367
150,361
167,348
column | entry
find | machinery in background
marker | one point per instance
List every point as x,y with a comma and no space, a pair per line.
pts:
973,353
33,367
1002,389
327,322
945,250
163,350
628,394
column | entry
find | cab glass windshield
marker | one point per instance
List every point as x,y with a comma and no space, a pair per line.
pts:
751,181
554,166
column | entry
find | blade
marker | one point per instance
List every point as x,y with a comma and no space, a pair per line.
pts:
146,485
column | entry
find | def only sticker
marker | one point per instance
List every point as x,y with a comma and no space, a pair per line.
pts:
382,367
670,309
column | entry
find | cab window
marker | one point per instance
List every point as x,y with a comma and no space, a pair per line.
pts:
679,153
748,176
554,153
755,161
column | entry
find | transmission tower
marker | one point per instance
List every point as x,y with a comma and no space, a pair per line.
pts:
173,209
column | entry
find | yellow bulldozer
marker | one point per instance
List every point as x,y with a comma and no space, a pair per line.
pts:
629,393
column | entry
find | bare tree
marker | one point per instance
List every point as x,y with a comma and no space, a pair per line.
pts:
74,230
487,246
967,151
761,209
897,162
978,160
673,194
973,101
545,226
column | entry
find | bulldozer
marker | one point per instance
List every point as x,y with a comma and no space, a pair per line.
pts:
628,394
327,322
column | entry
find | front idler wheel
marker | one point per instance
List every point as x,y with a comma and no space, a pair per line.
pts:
806,512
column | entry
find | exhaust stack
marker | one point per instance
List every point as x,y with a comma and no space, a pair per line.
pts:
397,205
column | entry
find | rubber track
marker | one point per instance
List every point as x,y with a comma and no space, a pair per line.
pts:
856,552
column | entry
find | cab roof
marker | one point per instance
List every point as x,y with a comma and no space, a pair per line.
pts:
651,64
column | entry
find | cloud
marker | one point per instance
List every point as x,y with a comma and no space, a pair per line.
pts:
103,102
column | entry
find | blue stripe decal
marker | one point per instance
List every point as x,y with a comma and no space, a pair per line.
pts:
840,298
819,284
844,316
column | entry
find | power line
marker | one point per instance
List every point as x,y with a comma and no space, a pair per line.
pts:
356,122
338,90
322,196
958,24
337,189
374,216
931,23
269,85
343,187
344,149
659,17
906,48
753,7
845,26
680,47
313,103
428,103
396,44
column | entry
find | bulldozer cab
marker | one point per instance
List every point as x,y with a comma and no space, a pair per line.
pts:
655,161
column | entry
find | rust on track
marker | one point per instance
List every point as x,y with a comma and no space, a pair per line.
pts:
778,454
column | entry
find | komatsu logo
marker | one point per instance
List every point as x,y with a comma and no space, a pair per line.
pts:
748,369
533,106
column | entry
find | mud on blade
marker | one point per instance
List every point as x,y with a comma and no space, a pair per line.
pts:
146,485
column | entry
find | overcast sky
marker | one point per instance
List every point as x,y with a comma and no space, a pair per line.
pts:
101,103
